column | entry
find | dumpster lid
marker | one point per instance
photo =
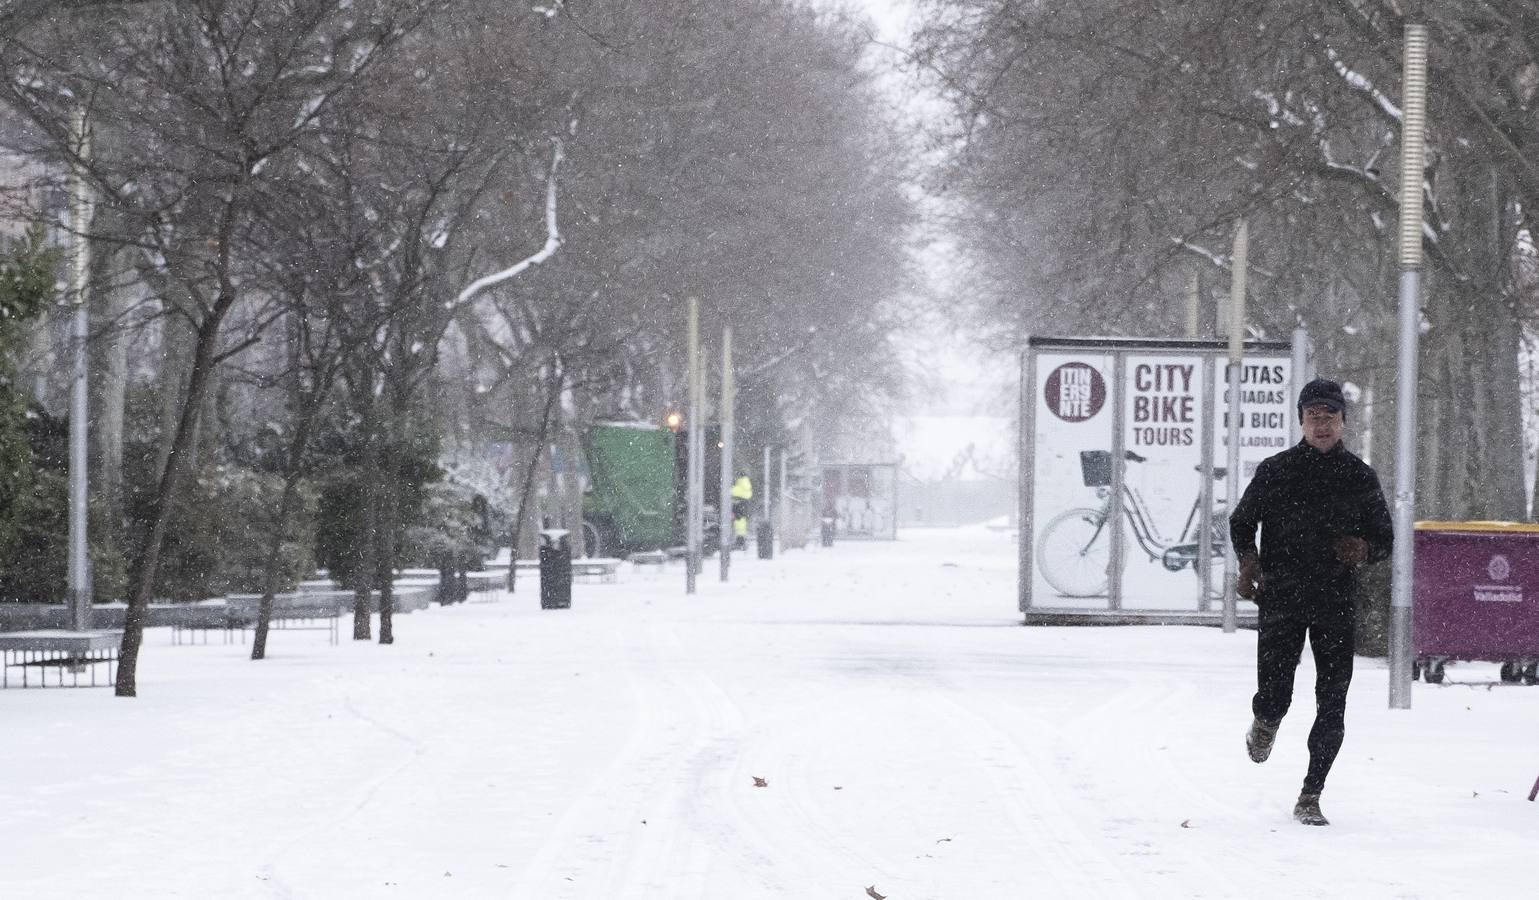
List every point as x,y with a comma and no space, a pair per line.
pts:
1500,527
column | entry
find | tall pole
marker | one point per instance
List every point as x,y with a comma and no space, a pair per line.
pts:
700,437
784,498
765,509
1412,174
727,401
696,426
1193,299
1238,263
1301,377
1119,476
1205,493
79,411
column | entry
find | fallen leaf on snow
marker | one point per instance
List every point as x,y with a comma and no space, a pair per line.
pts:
944,841
759,782
1186,823
871,892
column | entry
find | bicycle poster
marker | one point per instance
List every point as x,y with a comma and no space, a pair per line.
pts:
1124,449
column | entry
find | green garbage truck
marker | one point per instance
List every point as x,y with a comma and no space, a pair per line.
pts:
636,491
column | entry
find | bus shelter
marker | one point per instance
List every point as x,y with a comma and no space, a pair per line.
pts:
1124,444
862,499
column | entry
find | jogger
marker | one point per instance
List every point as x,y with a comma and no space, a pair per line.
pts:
1321,514
1279,645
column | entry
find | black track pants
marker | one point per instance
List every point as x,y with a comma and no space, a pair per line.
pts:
1278,646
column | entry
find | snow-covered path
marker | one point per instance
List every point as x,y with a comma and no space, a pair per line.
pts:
912,734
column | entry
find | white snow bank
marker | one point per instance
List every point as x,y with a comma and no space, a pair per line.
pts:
913,736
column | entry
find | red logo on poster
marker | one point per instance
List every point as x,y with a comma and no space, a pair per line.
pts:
1075,392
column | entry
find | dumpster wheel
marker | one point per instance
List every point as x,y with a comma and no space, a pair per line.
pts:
1432,671
1531,674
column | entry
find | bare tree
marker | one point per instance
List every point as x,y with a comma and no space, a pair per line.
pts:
206,97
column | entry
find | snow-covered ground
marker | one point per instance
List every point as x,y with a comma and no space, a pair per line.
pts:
913,737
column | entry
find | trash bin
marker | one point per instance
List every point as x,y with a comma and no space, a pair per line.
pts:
828,531
555,569
766,540
1476,595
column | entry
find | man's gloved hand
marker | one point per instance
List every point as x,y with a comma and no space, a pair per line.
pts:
1351,550
1248,585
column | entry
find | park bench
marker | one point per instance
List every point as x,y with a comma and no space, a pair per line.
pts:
311,611
188,621
604,569
653,561
62,652
486,586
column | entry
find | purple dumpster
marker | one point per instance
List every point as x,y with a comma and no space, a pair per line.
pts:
1477,597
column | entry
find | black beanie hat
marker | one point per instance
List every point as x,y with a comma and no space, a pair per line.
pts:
1322,392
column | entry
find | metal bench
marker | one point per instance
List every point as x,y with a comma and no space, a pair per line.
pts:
601,568
188,621
313,611
487,586
605,570
62,652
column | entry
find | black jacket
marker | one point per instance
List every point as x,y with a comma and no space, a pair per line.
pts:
1303,500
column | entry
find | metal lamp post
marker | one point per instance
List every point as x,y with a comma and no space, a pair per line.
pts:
728,399
1412,173
79,411
1238,263
693,443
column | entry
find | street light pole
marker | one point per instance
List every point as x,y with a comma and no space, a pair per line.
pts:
692,451
1238,262
1412,175
728,399
783,520
79,410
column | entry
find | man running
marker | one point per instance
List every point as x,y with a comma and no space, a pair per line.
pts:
1322,515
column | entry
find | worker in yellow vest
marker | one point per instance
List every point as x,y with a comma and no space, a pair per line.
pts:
742,492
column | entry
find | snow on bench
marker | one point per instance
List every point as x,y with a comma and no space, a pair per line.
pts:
62,651
604,569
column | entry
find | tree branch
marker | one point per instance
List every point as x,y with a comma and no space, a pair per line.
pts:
552,236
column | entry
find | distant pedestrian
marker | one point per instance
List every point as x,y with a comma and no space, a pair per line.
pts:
1322,514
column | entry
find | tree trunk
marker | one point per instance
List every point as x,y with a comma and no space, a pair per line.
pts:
386,531
204,426
173,379
293,470
171,476
364,546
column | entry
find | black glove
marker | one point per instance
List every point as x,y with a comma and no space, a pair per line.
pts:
1248,585
1351,550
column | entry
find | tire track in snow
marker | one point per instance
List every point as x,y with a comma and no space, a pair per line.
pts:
1094,751
666,858
659,858
1049,822
364,794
